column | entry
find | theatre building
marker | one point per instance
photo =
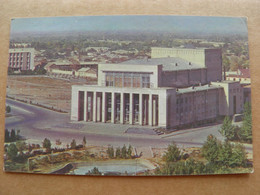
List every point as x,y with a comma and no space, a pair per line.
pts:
165,91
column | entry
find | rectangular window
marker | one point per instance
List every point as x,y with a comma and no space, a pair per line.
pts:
136,80
118,80
146,81
127,80
109,79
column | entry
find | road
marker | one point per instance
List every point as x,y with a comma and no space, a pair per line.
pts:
37,123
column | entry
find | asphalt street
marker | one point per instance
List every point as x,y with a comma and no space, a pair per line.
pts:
37,123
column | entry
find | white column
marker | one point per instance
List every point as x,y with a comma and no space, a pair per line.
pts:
150,111
94,106
122,110
140,109
98,108
131,108
104,106
162,109
85,106
112,107
154,112
74,104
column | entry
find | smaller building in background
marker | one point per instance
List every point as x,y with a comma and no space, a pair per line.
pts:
87,73
21,59
242,75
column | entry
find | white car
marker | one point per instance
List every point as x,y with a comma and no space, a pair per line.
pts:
237,120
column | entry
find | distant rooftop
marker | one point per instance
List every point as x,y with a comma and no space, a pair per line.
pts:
13,50
168,63
67,62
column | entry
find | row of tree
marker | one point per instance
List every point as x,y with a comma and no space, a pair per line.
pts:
221,158
123,152
12,136
224,154
73,145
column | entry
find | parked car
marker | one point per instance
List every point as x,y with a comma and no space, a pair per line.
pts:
237,120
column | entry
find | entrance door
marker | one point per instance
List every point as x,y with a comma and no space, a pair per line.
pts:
81,106
234,104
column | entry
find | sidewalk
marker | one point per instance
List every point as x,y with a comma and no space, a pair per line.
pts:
116,129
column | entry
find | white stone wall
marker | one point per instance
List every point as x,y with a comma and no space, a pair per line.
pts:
154,69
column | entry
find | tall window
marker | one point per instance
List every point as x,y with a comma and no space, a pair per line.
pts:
109,79
146,81
127,80
136,80
118,79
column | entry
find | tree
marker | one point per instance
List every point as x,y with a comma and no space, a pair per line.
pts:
12,137
129,151
84,141
238,157
8,109
225,153
73,144
124,152
7,135
173,153
94,171
110,152
12,151
210,149
40,71
228,130
118,153
21,146
245,132
225,62
47,144
235,63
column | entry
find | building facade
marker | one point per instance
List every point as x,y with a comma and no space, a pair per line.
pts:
21,59
139,92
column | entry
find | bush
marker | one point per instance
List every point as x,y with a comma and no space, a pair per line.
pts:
73,144
94,171
173,153
110,152
12,151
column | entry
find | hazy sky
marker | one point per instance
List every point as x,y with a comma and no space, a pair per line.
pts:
134,23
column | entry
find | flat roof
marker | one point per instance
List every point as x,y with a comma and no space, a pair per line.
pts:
197,88
168,63
28,49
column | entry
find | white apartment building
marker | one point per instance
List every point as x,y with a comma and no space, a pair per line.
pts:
21,59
